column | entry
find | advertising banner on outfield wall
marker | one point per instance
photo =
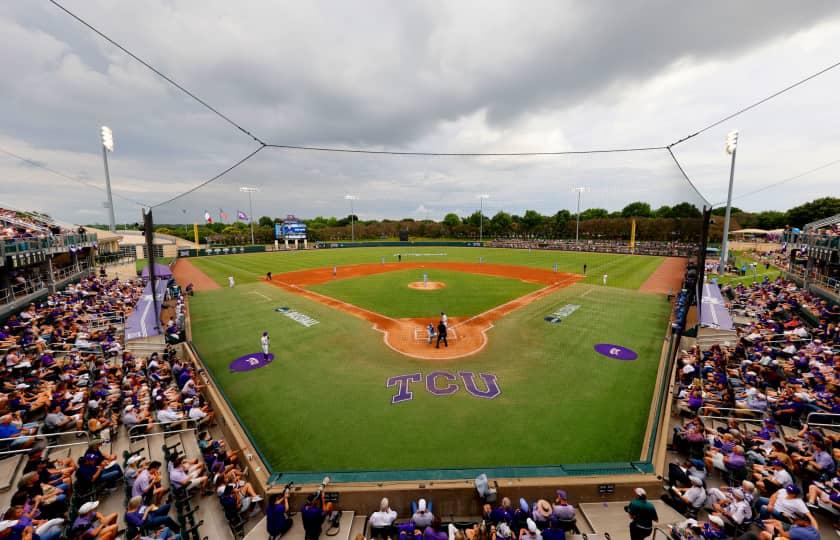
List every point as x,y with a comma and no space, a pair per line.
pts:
221,250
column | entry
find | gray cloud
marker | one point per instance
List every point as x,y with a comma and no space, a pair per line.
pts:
447,76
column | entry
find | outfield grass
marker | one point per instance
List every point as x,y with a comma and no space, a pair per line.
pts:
323,404
464,295
625,271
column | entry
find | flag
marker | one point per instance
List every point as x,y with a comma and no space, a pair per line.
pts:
241,215
207,217
222,215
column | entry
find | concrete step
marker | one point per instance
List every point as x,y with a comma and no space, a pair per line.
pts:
610,517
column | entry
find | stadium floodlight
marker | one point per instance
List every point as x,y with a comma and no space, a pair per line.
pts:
352,198
481,216
249,191
108,146
731,148
579,190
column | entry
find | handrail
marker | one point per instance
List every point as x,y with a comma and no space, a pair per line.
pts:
758,411
164,432
48,436
753,420
832,416
145,436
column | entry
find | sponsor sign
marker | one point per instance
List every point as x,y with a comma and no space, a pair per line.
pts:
297,316
444,383
616,352
250,361
558,316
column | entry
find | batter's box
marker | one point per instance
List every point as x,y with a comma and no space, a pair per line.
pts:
421,334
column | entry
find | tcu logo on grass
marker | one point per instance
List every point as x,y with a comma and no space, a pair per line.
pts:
443,383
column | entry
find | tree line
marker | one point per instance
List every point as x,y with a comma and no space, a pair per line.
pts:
681,222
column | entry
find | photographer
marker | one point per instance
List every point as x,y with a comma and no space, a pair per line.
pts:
278,521
314,511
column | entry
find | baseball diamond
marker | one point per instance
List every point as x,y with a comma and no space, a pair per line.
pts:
373,327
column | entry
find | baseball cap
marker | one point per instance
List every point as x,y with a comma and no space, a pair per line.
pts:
717,520
532,527
561,494
640,492
793,489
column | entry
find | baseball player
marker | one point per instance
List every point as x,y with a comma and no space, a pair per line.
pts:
265,342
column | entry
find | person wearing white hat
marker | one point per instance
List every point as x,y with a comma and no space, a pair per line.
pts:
530,532
642,515
422,516
92,524
685,499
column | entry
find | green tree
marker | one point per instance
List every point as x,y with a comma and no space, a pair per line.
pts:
799,216
663,211
501,223
265,221
560,222
532,220
770,219
451,220
721,211
473,219
685,210
636,209
594,213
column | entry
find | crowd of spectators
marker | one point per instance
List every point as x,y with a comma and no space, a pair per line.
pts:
16,225
746,408
67,379
666,249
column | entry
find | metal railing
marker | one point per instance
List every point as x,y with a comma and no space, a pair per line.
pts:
38,436
164,432
834,417
56,242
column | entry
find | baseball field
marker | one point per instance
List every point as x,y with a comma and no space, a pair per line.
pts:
355,385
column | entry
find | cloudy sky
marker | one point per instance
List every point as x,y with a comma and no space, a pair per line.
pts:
414,76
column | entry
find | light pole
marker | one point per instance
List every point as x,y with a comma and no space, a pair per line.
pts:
249,191
579,190
731,147
108,146
352,198
481,216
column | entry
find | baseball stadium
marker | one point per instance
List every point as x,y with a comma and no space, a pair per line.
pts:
516,332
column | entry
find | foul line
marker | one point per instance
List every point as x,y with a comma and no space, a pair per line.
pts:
261,294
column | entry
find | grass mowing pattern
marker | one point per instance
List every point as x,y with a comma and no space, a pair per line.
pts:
625,271
323,404
464,295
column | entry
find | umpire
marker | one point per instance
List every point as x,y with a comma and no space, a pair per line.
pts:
441,328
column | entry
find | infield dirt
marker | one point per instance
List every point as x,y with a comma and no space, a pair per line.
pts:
408,336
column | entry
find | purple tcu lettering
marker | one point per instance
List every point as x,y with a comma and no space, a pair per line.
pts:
431,383
490,382
402,382
447,387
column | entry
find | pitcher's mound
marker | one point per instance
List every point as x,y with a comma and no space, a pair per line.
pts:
428,286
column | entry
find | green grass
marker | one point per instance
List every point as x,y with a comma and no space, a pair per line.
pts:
740,258
143,263
625,271
464,295
323,404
